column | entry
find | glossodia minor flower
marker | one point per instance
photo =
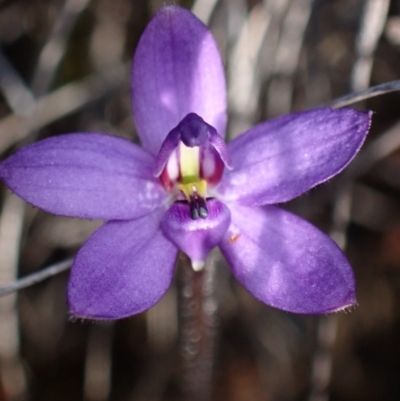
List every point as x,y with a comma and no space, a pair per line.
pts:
188,190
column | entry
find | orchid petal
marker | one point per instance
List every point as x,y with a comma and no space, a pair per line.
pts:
91,176
196,237
280,159
124,268
286,262
176,70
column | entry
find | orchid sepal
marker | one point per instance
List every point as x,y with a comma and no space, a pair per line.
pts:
85,175
280,159
176,70
286,262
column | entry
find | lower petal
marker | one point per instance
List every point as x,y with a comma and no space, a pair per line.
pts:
123,269
286,262
196,237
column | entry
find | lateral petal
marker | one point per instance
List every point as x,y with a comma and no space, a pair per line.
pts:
90,176
286,262
280,159
176,70
124,268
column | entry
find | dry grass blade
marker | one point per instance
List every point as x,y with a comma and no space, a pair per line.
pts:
60,103
53,51
12,371
17,94
373,22
37,277
373,91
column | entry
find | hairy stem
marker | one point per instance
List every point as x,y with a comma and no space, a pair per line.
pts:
198,322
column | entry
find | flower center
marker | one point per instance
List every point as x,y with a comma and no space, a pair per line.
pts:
190,184
192,159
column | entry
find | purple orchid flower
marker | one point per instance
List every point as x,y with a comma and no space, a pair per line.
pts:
187,190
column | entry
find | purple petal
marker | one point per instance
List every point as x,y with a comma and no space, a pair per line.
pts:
123,269
282,158
286,262
85,175
176,70
196,237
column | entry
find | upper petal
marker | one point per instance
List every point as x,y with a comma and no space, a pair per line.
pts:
124,268
286,262
280,159
176,70
85,175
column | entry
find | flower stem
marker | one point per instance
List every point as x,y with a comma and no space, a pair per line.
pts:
198,322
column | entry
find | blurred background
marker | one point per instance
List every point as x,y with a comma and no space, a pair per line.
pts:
64,67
